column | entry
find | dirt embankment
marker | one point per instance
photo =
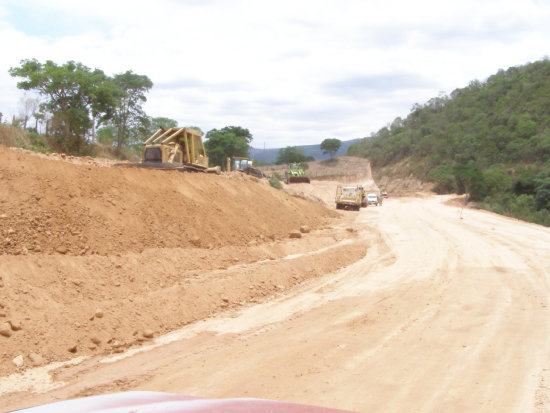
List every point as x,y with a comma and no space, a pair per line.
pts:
343,168
399,180
48,207
97,259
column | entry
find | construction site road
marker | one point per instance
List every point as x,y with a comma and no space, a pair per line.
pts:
447,311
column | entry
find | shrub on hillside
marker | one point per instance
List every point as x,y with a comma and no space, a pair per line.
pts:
275,183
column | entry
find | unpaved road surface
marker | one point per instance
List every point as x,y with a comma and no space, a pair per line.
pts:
433,309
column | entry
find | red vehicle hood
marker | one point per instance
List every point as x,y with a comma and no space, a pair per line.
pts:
154,402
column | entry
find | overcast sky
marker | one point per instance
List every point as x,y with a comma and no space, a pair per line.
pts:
293,72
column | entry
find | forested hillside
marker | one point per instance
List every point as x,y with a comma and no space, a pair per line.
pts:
490,139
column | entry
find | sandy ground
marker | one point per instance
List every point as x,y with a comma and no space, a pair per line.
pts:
416,306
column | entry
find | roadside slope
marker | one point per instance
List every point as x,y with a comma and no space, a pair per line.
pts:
94,260
447,311
50,206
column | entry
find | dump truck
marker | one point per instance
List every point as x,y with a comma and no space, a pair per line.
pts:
243,164
295,175
350,197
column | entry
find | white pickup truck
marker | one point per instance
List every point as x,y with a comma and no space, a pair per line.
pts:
374,199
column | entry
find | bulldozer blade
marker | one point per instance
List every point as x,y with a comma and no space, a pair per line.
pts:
252,171
298,180
161,166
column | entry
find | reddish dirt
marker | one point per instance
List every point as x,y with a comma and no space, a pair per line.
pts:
59,207
421,304
98,259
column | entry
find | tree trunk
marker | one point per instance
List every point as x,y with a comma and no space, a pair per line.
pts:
93,129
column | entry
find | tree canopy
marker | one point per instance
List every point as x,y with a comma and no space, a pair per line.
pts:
292,154
161,122
126,112
238,131
331,146
227,142
71,90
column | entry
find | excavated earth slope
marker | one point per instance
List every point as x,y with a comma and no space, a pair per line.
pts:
94,260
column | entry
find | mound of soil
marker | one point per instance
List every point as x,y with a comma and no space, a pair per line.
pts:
58,207
98,259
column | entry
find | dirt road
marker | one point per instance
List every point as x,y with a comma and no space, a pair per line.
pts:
447,311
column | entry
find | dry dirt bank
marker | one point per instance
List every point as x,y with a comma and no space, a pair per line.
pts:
49,206
447,311
98,259
341,168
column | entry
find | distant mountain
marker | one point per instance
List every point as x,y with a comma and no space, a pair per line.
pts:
270,155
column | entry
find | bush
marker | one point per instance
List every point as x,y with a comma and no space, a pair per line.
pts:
275,183
523,206
497,180
542,196
444,179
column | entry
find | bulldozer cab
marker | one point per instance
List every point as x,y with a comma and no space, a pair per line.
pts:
240,163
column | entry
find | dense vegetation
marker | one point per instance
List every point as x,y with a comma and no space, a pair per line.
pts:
490,139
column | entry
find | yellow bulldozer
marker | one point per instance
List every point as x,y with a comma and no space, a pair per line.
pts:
244,165
174,148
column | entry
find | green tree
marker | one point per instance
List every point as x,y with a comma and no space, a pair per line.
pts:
71,90
106,135
523,206
497,181
524,180
469,179
444,179
238,131
128,115
331,146
291,154
223,143
542,197
161,122
525,127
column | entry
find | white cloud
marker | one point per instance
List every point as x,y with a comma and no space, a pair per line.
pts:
292,72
